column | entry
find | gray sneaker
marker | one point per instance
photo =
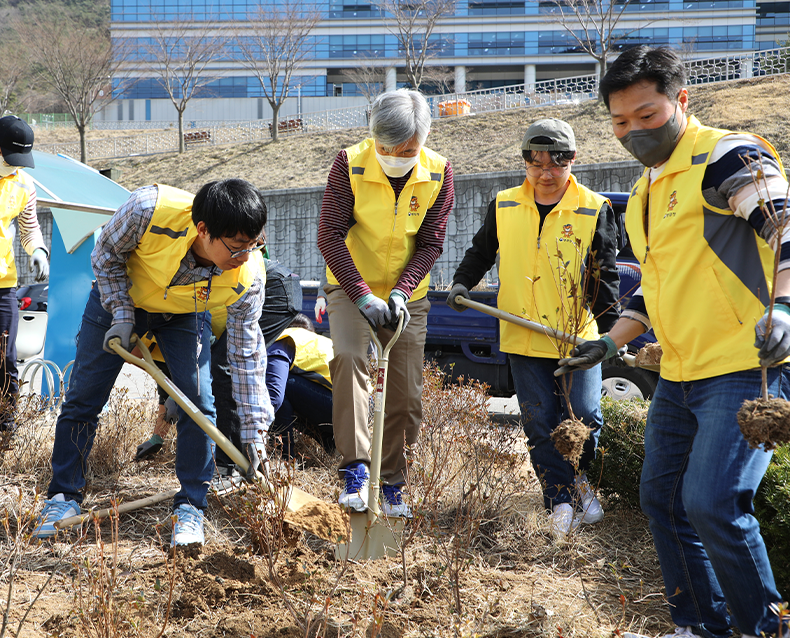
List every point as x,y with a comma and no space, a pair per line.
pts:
225,480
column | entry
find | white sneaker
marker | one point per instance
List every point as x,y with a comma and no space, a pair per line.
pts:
355,492
680,632
592,512
562,521
189,526
55,509
392,501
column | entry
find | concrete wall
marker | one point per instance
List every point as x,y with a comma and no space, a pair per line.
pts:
293,215
293,218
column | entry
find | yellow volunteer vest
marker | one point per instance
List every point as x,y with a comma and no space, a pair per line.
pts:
152,265
15,191
706,274
382,239
532,282
313,354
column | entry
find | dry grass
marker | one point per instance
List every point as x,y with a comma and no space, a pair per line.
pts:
474,144
515,582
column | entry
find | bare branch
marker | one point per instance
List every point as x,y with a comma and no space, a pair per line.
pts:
367,75
413,23
180,54
73,59
274,44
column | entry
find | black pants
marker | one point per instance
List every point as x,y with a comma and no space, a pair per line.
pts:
9,326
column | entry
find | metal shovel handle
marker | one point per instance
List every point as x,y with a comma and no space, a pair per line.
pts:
629,359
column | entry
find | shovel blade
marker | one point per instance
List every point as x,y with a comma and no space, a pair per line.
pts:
371,539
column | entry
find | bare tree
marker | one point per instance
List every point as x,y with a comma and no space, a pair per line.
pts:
180,52
440,77
74,59
367,75
13,69
413,23
593,24
273,45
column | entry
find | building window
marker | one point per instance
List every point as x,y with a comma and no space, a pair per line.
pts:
496,43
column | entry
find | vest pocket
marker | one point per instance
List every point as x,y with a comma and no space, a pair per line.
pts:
720,290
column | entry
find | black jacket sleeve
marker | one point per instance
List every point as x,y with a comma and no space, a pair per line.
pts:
481,255
603,289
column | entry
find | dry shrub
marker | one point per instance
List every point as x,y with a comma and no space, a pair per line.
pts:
28,447
464,473
765,422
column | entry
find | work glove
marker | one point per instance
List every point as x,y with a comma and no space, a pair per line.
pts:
258,462
397,306
374,310
121,330
587,355
320,309
776,347
171,411
39,263
458,289
149,448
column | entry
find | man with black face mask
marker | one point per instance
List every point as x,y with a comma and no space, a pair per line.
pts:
695,224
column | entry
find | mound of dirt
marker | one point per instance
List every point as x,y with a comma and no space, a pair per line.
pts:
649,355
325,520
765,422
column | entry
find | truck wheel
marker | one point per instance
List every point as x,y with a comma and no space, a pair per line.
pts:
628,383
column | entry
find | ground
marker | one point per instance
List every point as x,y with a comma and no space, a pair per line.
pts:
483,562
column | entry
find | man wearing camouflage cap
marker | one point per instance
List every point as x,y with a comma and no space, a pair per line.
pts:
17,200
548,232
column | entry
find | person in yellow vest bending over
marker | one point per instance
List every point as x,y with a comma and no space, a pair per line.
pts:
707,252
164,258
382,226
300,384
17,200
547,233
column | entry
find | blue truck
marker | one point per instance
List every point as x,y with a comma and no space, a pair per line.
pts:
467,343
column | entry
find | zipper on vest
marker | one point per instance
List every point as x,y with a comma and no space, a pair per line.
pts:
166,289
647,250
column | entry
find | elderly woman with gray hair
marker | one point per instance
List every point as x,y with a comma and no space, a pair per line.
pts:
382,226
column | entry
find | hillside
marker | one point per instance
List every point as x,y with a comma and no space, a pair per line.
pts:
474,144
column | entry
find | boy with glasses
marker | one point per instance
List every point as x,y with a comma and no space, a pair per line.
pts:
160,269
533,229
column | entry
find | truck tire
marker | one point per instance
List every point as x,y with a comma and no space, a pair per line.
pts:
628,383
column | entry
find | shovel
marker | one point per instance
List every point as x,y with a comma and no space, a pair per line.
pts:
295,498
372,537
629,359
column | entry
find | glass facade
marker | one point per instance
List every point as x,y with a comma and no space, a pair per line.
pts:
484,29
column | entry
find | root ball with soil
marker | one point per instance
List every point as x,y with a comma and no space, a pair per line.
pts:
765,422
569,438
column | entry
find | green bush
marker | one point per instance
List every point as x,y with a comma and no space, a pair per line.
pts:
621,450
618,467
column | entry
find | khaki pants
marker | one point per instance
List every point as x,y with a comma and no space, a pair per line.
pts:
350,398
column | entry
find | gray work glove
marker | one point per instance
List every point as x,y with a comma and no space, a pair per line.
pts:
397,306
587,355
149,448
171,411
776,347
39,263
458,289
374,310
121,330
258,462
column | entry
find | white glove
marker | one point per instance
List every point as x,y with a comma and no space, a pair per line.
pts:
121,330
777,347
320,309
39,263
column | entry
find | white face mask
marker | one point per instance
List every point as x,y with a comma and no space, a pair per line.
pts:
5,171
396,166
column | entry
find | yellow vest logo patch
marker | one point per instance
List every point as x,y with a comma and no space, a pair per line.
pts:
201,294
567,230
673,200
414,205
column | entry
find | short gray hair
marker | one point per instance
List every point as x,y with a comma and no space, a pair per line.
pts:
397,116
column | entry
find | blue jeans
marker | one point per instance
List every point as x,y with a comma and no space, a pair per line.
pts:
94,375
698,481
543,408
308,406
9,323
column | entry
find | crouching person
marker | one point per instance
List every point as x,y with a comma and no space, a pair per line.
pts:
157,262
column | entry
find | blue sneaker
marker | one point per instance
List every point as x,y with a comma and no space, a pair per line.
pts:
55,509
189,526
392,502
355,493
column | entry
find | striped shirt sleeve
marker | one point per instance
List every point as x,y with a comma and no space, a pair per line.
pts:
29,231
247,359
